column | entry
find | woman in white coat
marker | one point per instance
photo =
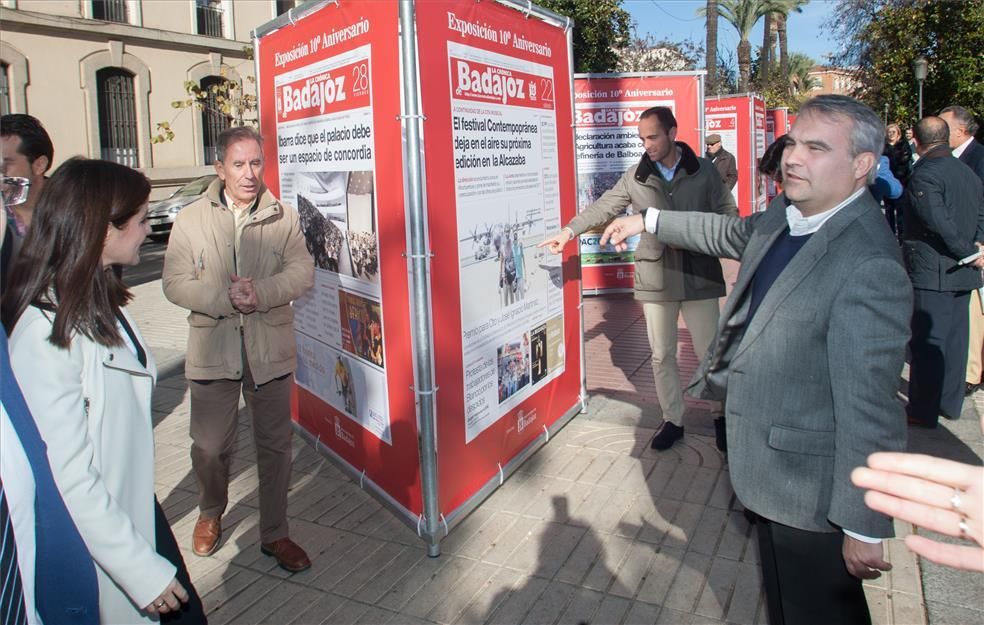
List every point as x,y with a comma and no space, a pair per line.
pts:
87,378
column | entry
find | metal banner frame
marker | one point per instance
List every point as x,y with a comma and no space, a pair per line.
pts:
432,525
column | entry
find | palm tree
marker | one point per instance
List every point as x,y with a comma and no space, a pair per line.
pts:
768,52
711,45
800,81
742,15
781,15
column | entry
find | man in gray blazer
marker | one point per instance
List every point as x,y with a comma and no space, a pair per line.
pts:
809,352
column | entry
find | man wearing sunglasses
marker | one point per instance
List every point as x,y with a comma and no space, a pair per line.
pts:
27,156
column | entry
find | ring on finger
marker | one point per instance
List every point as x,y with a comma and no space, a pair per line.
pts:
964,529
955,502
160,604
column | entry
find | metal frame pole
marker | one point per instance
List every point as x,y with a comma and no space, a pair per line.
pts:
701,122
418,260
568,32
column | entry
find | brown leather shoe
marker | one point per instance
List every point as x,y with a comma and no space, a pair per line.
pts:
207,534
289,555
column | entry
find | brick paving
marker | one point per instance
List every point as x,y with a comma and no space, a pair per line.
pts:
596,527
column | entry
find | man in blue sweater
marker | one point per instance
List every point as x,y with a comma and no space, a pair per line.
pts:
808,352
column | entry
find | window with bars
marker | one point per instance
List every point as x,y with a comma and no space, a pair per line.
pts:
284,5
214,120
117,116
110,10
4,89
209,14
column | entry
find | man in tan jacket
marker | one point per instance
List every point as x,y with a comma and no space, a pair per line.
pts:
236,260
668,281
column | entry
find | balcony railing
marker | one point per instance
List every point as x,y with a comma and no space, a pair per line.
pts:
110,10
210,20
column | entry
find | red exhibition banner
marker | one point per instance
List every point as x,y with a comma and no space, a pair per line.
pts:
740,120
607,110
499,159
329,95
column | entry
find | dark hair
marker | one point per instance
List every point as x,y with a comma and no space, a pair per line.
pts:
964,117
769,164
232,135
931,131
35,141
60,265
663,114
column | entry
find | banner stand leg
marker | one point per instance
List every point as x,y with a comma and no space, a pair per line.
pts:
418,261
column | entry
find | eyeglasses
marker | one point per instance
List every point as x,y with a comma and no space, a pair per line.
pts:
14,189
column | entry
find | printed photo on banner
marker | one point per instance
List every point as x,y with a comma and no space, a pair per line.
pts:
514,367
347,384
362,330
338,220
344,384
592,185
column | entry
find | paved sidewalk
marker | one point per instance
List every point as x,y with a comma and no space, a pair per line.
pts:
596,527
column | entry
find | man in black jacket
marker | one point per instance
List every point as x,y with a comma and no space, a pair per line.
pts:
968,150
943,199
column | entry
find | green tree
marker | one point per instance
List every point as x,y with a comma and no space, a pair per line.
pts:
883,37
775,17
742,15
791,90
600,28
646,54
727,73
799,77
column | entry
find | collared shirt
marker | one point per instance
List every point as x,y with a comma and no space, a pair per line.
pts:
800,225
667,172
240,216
18,485
957,151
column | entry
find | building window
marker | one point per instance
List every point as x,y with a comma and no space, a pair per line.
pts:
284,5
209,17
4,89
110,10
118,138
214,119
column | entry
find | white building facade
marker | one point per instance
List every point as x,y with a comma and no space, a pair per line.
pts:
102,74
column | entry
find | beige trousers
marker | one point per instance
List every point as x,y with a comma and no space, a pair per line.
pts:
975,346
214,421
701,317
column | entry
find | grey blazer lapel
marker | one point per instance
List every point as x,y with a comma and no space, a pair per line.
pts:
710,380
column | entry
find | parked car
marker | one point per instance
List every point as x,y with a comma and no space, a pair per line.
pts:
162,213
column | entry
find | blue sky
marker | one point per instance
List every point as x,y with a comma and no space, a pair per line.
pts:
677,20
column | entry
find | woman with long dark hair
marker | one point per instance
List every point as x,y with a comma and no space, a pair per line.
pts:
87,377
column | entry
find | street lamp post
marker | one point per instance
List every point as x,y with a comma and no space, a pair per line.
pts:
920,67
